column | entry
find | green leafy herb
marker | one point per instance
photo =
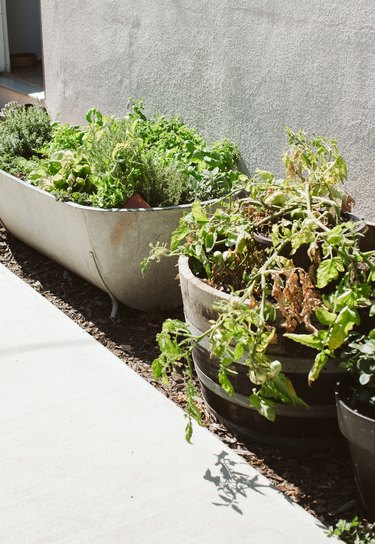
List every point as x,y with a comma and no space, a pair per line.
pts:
162,159
24,130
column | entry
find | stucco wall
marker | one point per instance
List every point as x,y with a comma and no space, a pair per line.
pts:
24,26
239,68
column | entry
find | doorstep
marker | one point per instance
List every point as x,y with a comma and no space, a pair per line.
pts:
12,88
91,452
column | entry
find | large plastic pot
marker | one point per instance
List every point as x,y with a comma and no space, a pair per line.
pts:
359,430
312,426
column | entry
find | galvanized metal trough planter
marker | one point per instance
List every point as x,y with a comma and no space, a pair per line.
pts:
103,246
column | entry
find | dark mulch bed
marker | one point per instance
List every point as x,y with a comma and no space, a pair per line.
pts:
321,483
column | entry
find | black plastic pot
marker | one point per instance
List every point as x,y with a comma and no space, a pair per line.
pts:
367,241
359,431
300,258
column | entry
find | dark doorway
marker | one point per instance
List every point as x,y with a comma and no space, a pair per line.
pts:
25,40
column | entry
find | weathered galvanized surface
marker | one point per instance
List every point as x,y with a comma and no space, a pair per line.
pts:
103,246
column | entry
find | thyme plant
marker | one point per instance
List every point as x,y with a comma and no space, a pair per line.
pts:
23,130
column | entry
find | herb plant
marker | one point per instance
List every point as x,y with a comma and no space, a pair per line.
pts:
353,532
23,130
18,166
211,170
162,159
318,303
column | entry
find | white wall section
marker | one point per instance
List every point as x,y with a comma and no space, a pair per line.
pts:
242,69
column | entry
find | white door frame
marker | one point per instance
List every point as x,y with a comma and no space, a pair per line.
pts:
4,43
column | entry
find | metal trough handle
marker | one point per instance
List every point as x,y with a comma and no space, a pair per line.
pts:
114,310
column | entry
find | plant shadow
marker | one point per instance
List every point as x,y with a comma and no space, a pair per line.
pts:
231,483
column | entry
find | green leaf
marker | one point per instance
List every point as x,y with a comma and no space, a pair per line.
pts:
266,408
189,431
156,368
328,271
80,183
265,175
286,390
179,236
337,336
199,213
94,116
238,352
209,240
241,244
225,382
320,361
226,361
334,237
324,316
195,413
347,318
309,340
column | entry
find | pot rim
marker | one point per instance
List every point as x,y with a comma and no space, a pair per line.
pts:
107,210
185,270
348,216
344,382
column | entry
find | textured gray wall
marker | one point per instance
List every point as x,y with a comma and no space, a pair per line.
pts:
237,68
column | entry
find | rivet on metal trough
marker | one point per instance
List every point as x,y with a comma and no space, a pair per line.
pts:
114,310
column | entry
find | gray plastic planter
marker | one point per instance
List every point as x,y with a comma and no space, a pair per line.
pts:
105,247
359,430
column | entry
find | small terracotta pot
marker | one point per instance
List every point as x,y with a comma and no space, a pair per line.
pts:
135,201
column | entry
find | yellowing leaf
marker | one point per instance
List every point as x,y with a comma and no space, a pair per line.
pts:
199,213
337,337
320,361
324,316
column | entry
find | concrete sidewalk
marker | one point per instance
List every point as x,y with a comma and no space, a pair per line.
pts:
91,453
